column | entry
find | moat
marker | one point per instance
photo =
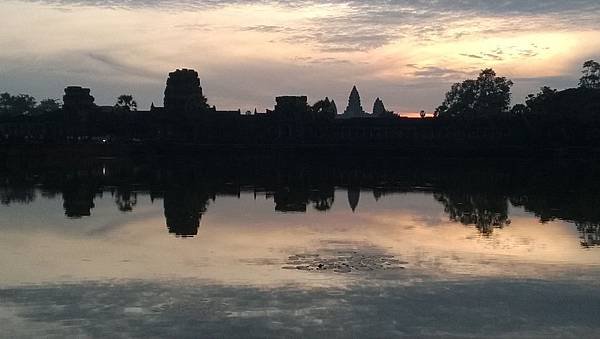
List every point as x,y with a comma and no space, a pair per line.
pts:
251,246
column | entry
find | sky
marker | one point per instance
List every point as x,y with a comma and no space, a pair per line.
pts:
407,52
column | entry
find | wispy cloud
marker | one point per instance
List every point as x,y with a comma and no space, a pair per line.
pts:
406,51
115,65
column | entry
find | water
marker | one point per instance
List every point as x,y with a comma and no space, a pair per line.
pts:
257,247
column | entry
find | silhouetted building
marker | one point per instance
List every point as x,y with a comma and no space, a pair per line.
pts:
77,98
379,110
354,109
565,119
183,93
325,109
291,107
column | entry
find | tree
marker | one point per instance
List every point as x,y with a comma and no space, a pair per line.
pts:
487,95
48,106
126,102
21,104
5,103
422,114
591,75
540,102
519,110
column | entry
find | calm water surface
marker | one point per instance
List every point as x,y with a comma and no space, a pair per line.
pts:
121,248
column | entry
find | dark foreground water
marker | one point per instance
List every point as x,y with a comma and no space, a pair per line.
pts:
288,247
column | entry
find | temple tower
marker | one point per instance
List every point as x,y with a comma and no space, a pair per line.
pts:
354,109
183,93
378,108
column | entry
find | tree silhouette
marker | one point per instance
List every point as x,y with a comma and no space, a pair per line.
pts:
591,75
539,102
125,199
48,106
126,102
486,211
16,105
519,110
485,96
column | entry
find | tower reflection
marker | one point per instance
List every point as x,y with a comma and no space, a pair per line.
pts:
473,193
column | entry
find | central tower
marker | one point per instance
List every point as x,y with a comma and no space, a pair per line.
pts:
183,93
354,109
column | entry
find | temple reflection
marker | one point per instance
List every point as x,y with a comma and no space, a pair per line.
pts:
353,197
78,196
183,210
480,197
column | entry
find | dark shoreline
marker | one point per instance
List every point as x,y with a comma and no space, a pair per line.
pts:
327,150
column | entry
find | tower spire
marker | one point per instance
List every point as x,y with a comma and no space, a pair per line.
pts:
354,109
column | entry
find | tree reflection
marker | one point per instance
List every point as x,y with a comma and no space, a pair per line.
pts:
590,234
15,194
125,199
484,211
472,193
323,198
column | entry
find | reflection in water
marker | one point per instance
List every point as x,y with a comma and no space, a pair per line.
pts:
125,199
184,207
78,195
485,211
181,310
286,248
480,196
353,197
590,233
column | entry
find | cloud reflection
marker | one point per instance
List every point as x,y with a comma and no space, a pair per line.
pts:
186,308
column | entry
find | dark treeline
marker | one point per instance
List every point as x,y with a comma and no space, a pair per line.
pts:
475,113
472,192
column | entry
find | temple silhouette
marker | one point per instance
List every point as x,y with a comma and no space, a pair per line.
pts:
186,118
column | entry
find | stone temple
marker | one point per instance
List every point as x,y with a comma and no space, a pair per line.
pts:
354,109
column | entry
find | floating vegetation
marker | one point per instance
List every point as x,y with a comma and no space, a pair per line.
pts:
343,262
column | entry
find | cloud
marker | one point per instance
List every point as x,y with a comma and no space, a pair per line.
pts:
114,65
195,27
248,54
474,56
353,25
433,72
266,29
